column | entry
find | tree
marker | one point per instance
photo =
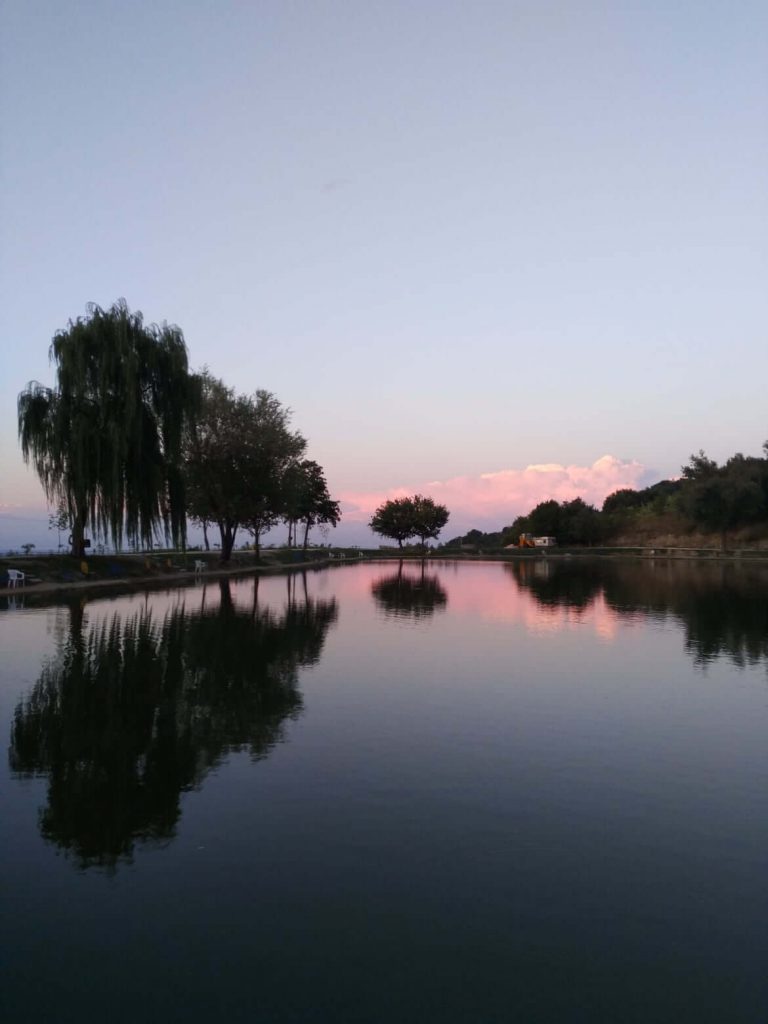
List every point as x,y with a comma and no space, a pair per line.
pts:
237,452
580,522
27,548
106,440
699,467
59,520
428,518
259,520
623,500
546,519
394,519
401,518
307,499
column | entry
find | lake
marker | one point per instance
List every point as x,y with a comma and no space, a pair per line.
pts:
534,792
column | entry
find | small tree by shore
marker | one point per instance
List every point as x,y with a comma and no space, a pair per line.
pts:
402,518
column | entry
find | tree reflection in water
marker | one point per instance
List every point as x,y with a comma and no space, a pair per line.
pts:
409,595
722,608
135,710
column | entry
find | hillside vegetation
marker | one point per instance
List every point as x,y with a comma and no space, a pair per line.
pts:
710,505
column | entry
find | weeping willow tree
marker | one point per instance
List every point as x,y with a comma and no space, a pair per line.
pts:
107,439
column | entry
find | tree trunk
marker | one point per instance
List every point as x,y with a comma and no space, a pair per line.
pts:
205,536
257,544
228,530
77,539
306,536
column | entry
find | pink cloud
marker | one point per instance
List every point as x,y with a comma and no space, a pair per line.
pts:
495,499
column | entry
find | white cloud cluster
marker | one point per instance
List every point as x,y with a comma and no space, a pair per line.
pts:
494,499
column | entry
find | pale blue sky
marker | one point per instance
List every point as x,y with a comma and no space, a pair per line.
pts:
454,238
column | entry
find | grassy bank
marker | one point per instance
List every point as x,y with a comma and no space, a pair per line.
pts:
61,573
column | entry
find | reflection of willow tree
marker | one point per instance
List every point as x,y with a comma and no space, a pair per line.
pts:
134,711
408,595
723,608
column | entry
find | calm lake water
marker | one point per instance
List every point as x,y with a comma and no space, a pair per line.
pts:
482,792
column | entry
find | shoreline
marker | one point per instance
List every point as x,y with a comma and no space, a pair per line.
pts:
54,589
126,584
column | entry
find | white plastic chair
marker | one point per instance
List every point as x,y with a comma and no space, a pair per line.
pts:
15,576
199,565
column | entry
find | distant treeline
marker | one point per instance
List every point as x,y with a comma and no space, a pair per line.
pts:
708,497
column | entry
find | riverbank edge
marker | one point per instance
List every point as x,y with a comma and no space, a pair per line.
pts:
134,583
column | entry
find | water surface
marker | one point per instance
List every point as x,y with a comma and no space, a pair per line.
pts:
461,792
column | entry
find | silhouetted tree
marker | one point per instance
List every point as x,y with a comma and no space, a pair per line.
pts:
106,440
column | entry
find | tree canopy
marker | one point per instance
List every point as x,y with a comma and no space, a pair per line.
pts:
238,450
107,439
306,499
403,518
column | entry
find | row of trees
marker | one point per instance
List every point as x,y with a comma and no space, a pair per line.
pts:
129,442
707,496
404,518
244,468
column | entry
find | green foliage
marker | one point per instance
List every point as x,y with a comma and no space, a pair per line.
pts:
306,499
546,520
714,498
429,518
722,498
106,440
402,518
238,450
394,519
624,500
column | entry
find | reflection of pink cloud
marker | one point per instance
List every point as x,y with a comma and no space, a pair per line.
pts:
496,498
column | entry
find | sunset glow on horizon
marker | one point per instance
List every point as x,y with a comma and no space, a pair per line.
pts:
493,500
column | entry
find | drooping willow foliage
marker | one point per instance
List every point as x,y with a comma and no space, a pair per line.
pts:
108,438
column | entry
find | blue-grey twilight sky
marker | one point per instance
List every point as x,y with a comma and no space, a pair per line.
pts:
457,239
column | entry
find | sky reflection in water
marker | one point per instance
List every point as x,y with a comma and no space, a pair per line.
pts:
532,791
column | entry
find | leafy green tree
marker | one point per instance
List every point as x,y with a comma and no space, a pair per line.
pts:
395,520
428,518
699,467
260,519
723,498
106,440
624,500
546,519
238,450
580,522
307,500
401,518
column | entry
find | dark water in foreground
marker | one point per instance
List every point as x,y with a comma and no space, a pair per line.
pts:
482,793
